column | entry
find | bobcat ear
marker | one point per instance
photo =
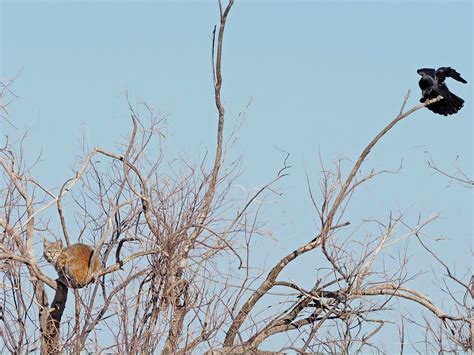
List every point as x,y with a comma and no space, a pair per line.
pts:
46,242
59,243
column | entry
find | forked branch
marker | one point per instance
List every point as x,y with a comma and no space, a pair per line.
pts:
327,227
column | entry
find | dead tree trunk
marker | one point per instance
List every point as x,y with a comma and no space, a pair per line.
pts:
50,320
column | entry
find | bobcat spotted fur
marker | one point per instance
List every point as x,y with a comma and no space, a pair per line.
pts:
76,265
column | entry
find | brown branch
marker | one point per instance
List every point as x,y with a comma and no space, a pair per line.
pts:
118,265
412,295
34,269
281,327
86,330
342,194
438,259
61,214
66,187
267,285
221,112
29,207
145,198
464,180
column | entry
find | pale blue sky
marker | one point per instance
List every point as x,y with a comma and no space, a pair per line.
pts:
323,77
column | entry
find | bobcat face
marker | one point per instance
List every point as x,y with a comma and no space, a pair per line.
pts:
52,251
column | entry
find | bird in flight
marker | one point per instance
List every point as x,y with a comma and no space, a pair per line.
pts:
432,84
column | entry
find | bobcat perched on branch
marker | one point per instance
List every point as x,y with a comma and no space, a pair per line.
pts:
76,265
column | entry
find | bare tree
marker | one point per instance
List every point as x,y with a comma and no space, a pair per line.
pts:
175,246
345,292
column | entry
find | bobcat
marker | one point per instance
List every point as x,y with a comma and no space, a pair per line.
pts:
76,265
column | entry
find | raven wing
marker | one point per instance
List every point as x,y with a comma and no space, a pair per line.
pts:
427,71
445,72
449,105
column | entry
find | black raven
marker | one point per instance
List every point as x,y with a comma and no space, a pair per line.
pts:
432,84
